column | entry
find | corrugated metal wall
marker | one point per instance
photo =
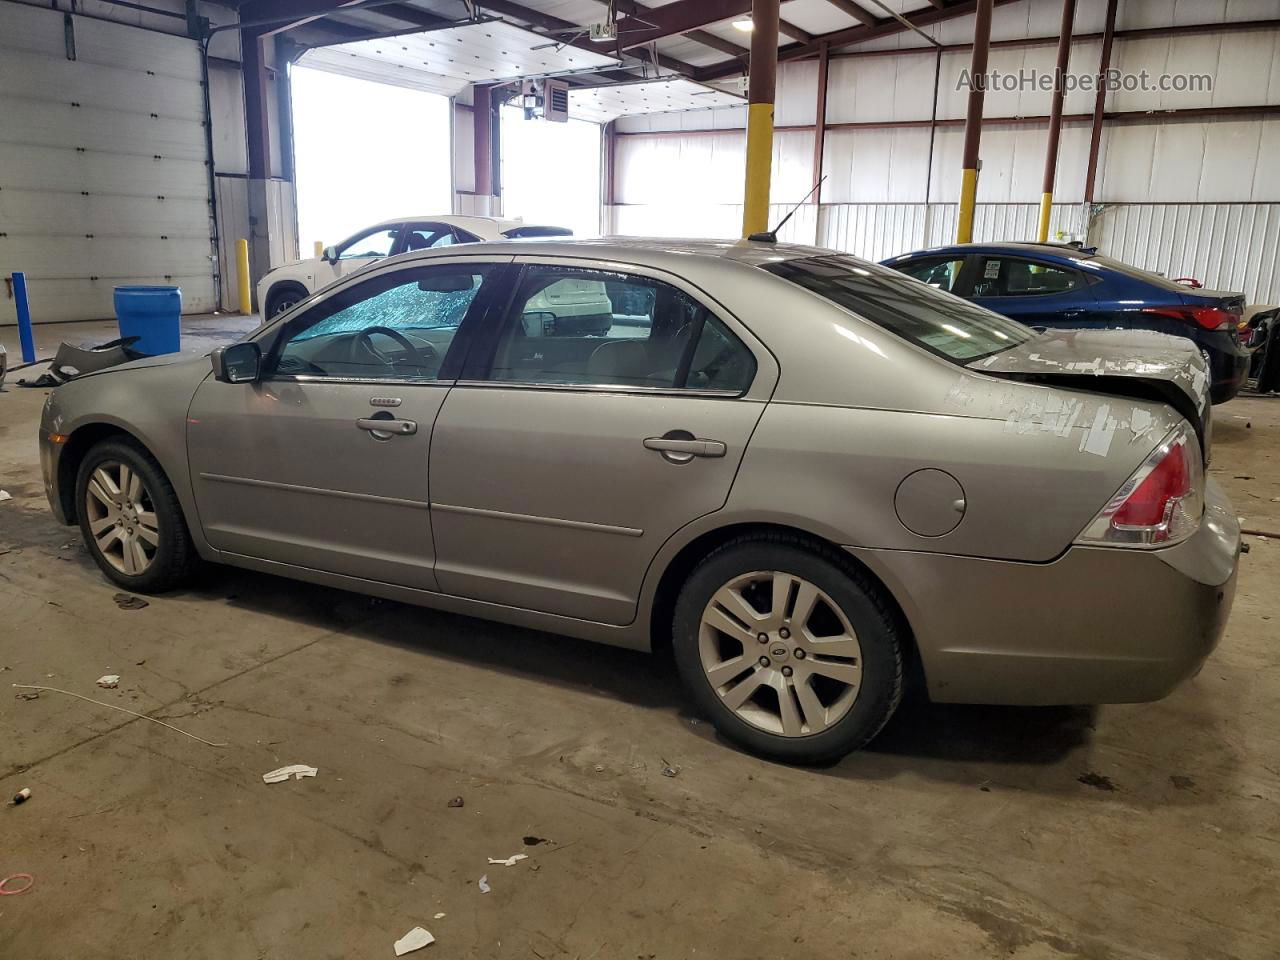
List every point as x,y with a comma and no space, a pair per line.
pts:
1229,246
1226,246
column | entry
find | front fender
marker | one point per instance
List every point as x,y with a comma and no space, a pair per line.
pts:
146,402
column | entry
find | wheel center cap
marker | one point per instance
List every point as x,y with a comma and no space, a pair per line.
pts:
779,651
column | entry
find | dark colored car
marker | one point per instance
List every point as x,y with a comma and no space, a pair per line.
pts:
1062,286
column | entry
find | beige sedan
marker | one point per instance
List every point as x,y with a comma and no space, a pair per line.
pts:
812,477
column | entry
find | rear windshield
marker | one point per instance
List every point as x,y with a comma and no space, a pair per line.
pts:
1155,279
954,329
517,233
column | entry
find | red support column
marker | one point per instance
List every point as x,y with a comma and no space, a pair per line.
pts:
1055,116
820,120
1100,101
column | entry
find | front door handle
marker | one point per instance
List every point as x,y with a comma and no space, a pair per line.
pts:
386,428
682,449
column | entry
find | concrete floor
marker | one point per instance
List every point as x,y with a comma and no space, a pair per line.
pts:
1146,831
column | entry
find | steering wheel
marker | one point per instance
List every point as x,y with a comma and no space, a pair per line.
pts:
420,356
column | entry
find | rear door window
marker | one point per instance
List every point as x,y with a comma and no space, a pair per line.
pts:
602,328
941,323
1001,276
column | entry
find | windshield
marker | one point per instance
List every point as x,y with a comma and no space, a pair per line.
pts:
943,324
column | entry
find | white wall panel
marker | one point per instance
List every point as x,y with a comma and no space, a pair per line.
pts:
714,118
226,104
706,169
233,225
876,231
1249,69
464,159
1209,161
715,221
796,98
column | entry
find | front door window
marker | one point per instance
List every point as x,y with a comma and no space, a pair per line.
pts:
396,326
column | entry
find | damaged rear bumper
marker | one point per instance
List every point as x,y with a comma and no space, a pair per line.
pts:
1097,625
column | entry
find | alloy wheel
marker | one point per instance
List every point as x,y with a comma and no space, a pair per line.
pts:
780,653
122,517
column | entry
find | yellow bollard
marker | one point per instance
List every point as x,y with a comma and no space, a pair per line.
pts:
242,270
319,248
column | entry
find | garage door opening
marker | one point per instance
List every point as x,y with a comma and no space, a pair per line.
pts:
365,152
551,172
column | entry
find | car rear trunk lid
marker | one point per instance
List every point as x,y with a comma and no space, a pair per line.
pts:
1133,363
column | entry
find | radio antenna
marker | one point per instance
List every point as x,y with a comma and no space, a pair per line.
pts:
771,236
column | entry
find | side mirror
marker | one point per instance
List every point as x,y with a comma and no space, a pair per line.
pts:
329,254
238,363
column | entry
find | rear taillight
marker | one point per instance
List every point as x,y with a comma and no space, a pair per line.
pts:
1208,318
1160,504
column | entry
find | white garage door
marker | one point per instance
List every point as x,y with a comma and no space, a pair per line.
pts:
103,179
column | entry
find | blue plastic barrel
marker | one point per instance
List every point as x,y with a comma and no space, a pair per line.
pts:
153,314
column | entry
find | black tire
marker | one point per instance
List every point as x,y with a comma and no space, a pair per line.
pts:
283,297
879,631
174,558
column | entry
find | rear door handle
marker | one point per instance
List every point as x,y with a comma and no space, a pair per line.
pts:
384,429
682,451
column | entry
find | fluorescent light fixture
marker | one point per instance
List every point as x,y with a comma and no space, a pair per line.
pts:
745,25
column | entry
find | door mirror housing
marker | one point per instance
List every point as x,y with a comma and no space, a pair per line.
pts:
329,254
237,363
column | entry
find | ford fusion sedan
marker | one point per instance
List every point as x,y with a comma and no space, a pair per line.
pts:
812,478
1056,286
286,285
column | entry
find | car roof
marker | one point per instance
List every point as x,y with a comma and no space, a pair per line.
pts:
456,219
1064,250
665,253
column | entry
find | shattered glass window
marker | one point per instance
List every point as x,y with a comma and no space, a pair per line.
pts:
406,306
397,325
943,324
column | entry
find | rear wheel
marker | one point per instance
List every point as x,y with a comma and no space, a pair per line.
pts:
130,518
790,651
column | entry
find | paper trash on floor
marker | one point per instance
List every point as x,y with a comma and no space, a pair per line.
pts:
510,861
415,939
297,771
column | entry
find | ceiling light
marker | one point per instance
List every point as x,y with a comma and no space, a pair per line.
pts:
745,25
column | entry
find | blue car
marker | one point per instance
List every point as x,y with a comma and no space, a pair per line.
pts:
1057,285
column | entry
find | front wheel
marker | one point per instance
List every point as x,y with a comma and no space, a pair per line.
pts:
282,299
130,518
789,651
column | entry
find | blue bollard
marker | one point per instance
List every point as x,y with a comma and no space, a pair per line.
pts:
24,318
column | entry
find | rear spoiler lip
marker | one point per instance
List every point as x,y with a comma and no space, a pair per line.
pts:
1214,298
